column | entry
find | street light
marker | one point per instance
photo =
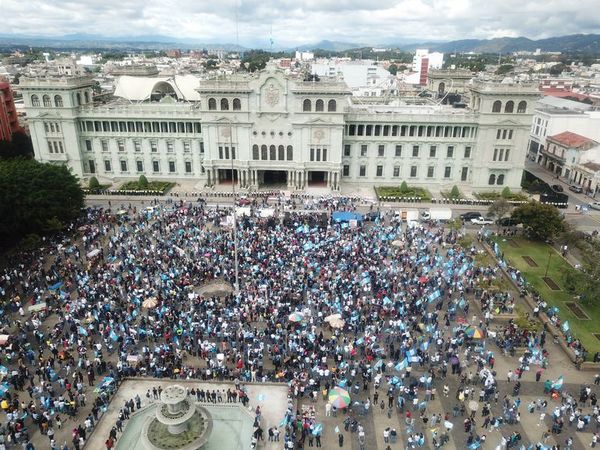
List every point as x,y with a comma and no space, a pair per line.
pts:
236,285
548,264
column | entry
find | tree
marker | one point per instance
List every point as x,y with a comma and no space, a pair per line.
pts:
504,69
36,198
506,193
143,182
19,146
255,60
404,187
540,221
393,69
499,208
210,64
94,184
455,192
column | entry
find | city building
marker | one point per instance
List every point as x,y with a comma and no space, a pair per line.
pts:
553,116
423,62
9,121
272,129
563,151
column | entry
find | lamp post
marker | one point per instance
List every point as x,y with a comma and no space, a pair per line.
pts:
548,263
236,285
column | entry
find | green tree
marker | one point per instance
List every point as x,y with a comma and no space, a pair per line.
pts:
255,60
36,197
499,208
506,192
539,220
404,187
210,64
19,146
143,182
455,192
393,69
504,69
94,184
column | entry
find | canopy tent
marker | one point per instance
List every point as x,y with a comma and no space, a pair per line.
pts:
346,216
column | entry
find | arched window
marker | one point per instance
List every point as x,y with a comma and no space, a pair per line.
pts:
290,153
224,104
500,179
441,88
78,99
331,106
35,100
272,153
510,106
497,106
212,104
86,95
58,101
280,153
263,152
306,105
319,105
492,179
46,101
522,107
237,104
255,154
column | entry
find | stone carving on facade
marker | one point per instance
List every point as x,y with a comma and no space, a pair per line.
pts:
272,95
319,135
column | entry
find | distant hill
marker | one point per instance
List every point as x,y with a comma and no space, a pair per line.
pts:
585,43
333,46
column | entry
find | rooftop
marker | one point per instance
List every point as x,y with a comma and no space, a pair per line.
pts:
572,140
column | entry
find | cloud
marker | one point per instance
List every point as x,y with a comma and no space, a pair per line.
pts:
295,22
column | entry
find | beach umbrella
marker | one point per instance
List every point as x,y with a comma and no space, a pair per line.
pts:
333,317
4,339
339,397
474,332
461,321
423,279
150,303
337,323
397,243
454,359
295,317
473,405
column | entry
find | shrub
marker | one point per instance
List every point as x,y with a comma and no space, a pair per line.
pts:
506,193
143,182
404,187
94,184
455,192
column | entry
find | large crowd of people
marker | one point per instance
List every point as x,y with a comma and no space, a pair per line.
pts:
119,296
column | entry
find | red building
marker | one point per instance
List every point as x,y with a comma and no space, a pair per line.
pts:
9,122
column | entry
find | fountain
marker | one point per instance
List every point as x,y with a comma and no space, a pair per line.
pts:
179,423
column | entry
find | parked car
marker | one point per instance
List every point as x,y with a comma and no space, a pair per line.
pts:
481,221
508,222
595,205
470,215
576,188
557,188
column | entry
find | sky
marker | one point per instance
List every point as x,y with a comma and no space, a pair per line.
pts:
297,22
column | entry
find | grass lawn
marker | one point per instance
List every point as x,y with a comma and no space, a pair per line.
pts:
396,191
581,329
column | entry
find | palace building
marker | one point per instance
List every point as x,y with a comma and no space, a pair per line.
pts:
272,129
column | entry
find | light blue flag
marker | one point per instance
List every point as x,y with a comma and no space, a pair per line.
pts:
83,331
565,326
113,335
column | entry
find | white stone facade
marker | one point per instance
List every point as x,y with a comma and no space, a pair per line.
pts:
273,129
